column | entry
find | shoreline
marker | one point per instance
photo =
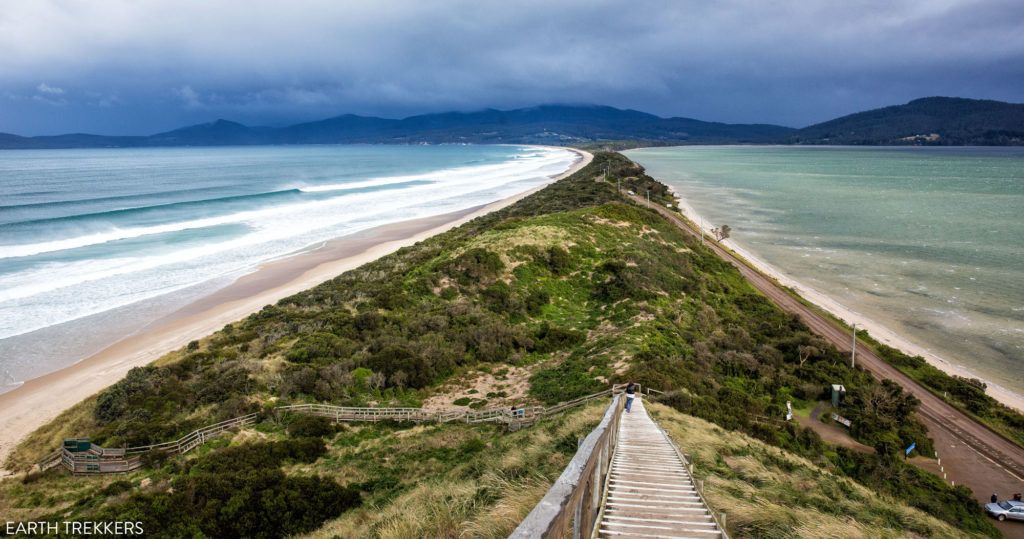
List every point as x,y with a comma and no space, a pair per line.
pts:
39,400
878,331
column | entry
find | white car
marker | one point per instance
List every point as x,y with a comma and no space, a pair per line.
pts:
1006,510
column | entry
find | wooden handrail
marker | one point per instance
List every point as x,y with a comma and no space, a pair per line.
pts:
119,460
571,505
197,434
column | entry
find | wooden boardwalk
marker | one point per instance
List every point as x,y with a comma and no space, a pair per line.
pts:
649,491
101,460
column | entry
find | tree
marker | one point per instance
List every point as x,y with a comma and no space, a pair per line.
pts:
722,232
813,347
806,352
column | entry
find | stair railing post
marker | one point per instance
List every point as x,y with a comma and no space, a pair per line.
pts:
577,533
595,495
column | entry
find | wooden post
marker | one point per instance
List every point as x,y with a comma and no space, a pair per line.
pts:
577,517
596,482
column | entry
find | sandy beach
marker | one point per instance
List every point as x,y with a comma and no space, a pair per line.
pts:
41,399
878,331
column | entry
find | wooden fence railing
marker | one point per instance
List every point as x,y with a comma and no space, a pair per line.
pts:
101,460
572,504
195,438
119,460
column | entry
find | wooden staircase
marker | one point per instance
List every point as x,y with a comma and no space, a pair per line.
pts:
649,492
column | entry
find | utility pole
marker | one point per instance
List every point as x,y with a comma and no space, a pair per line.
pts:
648,198
853,348
702,230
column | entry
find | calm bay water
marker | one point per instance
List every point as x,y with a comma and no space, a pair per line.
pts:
928,242
93,239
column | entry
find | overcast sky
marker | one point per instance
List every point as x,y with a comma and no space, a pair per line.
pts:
138,67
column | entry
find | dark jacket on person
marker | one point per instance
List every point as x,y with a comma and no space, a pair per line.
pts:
631,389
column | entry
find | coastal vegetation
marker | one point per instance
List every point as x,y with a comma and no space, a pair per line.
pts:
573,286
772,493
967,394
293,476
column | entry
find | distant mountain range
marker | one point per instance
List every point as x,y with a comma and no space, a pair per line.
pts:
933,120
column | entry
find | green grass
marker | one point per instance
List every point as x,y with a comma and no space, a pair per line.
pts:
771,493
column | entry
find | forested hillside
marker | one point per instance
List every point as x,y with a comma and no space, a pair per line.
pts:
567,291
936,121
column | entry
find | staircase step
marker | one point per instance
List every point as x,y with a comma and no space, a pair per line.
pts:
650,492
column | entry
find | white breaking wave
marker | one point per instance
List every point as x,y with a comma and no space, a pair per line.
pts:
57,292
380,182
485,173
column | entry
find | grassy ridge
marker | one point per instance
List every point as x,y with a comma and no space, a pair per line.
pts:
570,284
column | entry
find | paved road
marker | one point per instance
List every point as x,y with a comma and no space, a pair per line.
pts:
972,454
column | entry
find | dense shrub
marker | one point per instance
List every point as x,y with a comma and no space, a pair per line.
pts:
558,260
551,338
309,426
477,265
263,503
319,347
238,491
239,458
535,301
115,401
615,280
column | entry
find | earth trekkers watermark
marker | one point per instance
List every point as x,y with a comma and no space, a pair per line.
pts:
73,527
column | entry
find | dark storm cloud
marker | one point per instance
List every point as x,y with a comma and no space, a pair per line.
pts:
137,67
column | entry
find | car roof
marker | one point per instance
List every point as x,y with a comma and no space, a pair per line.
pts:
1015,503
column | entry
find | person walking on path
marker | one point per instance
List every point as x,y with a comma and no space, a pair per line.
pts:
630,395
994,497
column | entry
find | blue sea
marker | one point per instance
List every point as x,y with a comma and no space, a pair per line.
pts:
927,242
92,242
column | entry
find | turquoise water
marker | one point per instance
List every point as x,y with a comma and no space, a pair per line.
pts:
91,239
928,242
